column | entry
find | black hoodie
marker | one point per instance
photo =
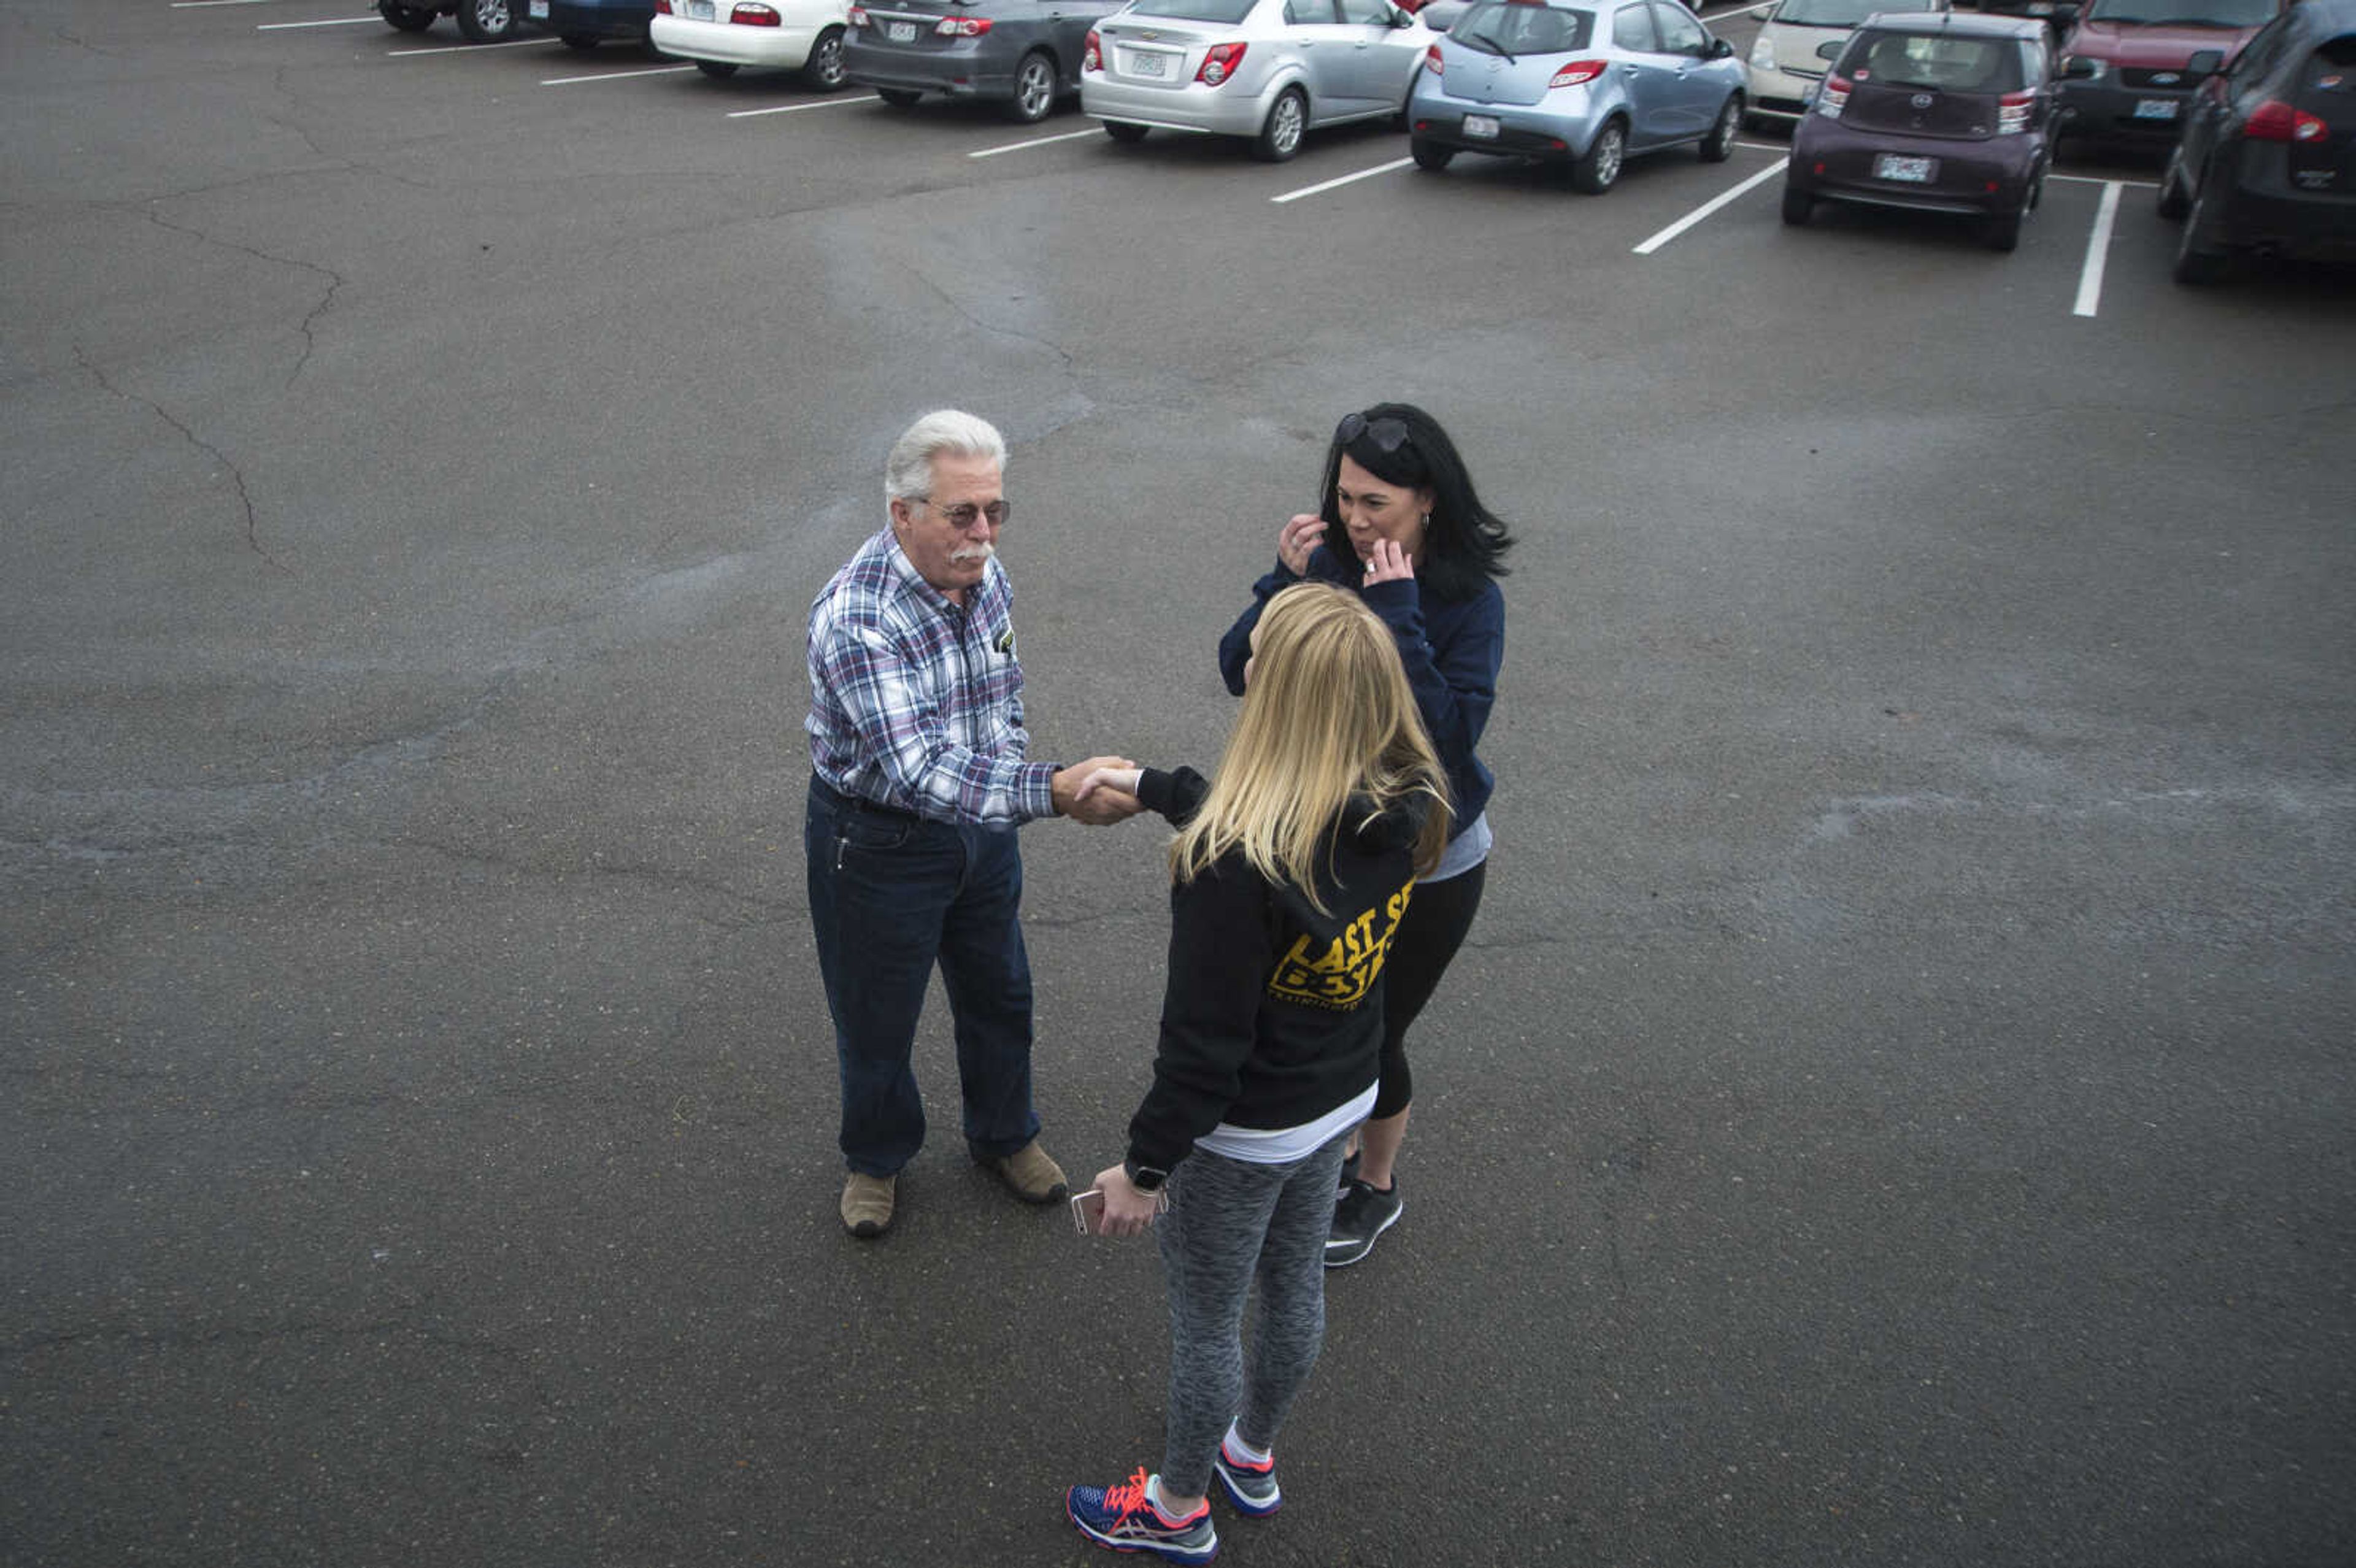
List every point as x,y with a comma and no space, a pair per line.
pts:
1274,1015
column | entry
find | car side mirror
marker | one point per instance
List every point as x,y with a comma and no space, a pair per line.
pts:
1718,49
2206,62
1831,51
2077,67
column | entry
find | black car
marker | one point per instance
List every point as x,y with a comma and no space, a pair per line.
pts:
2265,162
1024,54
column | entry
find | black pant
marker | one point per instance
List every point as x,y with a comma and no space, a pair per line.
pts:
1429,932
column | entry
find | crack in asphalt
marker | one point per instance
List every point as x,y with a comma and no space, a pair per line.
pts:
237,475
335,280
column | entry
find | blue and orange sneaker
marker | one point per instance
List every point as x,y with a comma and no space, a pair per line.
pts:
1124,1519
1250,1484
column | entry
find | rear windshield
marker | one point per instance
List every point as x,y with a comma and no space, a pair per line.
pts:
1937,61
2333,69
2185,13
1230,11
1522,29
1840,13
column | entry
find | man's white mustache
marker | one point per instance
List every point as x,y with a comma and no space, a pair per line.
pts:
966,552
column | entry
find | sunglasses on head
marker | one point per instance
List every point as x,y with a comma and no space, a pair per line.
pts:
1389,434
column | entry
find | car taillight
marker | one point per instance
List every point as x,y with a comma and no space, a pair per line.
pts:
1833,97
663,7
1092,53
2012,114
856,18
2279,122
1578,73
750,15
962,26
1218,63
1432,62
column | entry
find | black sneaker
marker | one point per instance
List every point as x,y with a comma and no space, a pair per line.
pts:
1361,1216
1349,1175
1249,1485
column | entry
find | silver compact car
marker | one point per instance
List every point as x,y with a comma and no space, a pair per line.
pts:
1581,85
1268,70
1787,58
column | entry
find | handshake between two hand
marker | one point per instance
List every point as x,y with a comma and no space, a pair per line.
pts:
1098,792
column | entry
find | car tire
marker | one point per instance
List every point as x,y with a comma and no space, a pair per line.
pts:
578,41
1719,145
1280,132
719,71
2173,201
1126,132
408,19
1428,155
490,21
898,97
822,71
1798,204
1034,89
2193,265
1598,169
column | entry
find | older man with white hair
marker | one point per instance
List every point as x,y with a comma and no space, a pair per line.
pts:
919,779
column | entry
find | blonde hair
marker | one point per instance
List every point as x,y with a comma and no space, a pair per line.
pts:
1327,717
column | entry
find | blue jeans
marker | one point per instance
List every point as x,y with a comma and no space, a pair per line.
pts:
889,896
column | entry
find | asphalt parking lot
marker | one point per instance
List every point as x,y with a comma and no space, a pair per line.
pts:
1893,1108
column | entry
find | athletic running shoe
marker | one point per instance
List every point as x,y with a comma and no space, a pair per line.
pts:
1120,1517
1349,1176
1361,1216
1249,1485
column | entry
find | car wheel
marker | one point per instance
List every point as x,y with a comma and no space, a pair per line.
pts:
1280,136
579,41
2194,265
1798,203
489,21
898,97
1428,155
1719,145
1598,171
1125,131
822,72
408,19
717,69
2173,203
1034,89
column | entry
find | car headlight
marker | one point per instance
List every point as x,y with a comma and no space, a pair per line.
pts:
1762,53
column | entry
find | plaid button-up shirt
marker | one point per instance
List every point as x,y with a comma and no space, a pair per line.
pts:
916,703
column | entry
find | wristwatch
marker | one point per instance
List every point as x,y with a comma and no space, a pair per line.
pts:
1144,1178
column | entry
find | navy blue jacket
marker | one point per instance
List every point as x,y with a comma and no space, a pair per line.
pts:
1451,648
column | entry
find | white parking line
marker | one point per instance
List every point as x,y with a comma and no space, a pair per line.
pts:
1706,209
463,49
614,75
1346,180
1041,142
798,108
2097,179
2098,249
201,5
338,22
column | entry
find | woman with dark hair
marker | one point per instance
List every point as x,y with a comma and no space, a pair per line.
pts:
1401,526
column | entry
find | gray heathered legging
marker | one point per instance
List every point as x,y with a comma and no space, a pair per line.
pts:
1230,1223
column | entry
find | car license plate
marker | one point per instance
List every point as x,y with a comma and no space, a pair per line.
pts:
1914,171
539,10
1481,126
699,10
1143,62
900,32
2154,109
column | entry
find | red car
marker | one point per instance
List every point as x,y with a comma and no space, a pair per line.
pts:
2128,66
1945,112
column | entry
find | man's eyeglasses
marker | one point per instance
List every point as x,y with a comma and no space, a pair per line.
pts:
1389,434
964,514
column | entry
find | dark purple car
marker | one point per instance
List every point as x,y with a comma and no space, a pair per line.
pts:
1944,112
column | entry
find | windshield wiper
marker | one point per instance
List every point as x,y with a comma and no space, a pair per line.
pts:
1495,44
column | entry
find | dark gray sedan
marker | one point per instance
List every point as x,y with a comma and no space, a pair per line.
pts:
1023,53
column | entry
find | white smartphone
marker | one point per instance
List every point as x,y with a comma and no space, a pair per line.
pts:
1087,1210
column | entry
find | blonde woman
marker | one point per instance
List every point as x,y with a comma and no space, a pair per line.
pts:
1288,874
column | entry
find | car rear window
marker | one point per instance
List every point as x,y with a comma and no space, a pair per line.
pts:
1519,29
1936,61
1841,13
1227,11
2331,68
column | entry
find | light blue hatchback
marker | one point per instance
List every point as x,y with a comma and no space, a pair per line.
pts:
1582,85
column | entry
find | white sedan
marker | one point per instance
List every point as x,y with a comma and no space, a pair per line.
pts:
1268,70
720,35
